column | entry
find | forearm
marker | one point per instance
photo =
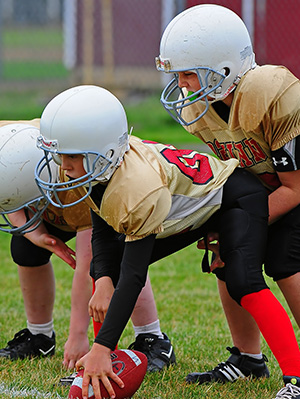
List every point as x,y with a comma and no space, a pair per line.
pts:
81,294
281,201
19,219
133,275
82,284
107,246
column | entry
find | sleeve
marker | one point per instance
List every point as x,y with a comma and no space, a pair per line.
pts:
137,218
287,158
134,268
107,247
284,123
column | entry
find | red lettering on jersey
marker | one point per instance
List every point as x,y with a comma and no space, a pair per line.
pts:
248,151
219,149
256,150
245,161
192,164
223,151
230,148
50,217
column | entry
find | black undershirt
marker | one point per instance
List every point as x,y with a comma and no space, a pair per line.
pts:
222,110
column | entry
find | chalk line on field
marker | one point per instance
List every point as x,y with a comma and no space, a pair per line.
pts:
25,393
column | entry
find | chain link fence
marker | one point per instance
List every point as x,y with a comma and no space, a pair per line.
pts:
49,45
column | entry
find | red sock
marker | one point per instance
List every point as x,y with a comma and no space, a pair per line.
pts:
96,324
276,328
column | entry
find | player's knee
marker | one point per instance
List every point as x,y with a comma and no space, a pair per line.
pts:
243,277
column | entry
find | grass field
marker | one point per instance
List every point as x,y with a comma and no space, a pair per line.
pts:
187,300
189,311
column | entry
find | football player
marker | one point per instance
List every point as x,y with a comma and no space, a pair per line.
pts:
251,113
45,231
149,200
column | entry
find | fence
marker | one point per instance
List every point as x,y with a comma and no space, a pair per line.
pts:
53,44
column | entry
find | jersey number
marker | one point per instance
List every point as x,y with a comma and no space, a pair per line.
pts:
192,164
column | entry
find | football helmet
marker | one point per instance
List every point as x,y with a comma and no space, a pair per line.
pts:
18,190
86,120
211,41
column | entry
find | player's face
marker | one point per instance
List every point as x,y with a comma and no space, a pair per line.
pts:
189,80
72,164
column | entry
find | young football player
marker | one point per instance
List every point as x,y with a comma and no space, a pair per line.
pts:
149,200
251,113
32,251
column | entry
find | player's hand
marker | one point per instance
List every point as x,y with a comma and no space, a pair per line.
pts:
101,298
97,365
58,247
75,347
212,245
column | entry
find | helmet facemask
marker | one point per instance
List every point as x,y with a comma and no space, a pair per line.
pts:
33,213
175,99
95,165
211,41
84,120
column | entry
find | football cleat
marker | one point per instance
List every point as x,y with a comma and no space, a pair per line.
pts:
290,391
24,344
236,366
159,351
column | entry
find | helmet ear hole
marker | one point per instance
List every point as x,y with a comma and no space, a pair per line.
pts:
110,153
226,71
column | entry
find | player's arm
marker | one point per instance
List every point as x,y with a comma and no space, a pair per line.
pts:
286,161
134,267
77,344
107,247
286,197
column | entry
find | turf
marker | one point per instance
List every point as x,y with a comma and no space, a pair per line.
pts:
190,313
187,300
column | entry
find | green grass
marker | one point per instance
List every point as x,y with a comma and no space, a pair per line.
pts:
189,307
190,313
32,54
18,71
36,37
150,121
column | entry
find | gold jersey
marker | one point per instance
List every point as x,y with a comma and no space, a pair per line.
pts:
264,116
161,190
74,218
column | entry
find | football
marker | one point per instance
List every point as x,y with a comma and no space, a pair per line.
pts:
129,365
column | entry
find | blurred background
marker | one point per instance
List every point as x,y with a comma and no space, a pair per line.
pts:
47,46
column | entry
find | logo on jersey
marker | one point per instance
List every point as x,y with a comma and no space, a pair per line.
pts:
283,161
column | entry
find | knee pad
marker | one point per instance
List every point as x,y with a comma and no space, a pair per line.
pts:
25,253
242,246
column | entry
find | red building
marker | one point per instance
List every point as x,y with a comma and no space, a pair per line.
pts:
114,42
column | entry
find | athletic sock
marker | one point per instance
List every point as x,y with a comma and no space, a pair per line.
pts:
46,329
152,328
253,355
276,328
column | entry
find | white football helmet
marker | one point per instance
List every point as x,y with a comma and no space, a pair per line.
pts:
211,41
18,190
86,120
